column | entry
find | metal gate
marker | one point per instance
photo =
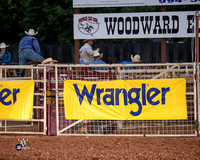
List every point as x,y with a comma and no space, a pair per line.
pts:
36,125
127,127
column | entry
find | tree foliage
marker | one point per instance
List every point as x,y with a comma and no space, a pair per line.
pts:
52,19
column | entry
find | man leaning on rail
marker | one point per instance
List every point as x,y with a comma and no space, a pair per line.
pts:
29,49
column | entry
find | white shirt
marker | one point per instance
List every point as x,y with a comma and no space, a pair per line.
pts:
87,51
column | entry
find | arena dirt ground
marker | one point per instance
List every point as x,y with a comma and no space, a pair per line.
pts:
100,148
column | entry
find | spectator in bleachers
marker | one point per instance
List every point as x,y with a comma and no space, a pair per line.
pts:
86,51
29,49
134,59
5,56
97,60
49,61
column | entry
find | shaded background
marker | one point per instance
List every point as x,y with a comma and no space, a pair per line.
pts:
150,52
54,22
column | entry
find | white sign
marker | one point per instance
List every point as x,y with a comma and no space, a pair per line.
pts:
124,3
134,25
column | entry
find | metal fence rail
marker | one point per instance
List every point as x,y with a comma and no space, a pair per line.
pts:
49,118
128,127
36,125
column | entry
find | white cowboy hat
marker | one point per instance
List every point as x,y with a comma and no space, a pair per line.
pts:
136,58
88,40
96,54
31,32
48,60
3,45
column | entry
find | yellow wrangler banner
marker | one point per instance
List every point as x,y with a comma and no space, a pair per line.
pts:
16,99
157,99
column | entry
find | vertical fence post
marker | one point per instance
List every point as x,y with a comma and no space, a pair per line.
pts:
163,42
196,97
1,72
57,105
77,42
197,72
197,114
45,100
197,36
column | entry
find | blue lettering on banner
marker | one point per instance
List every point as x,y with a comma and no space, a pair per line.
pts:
112,96
85,92
172,1
5,93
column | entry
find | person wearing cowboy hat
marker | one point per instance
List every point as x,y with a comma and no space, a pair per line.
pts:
49,61
97,60
134,59
29,49
86,51
5,56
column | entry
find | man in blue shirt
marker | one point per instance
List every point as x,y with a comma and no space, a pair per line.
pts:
135,59
5,56
97,60
29,49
